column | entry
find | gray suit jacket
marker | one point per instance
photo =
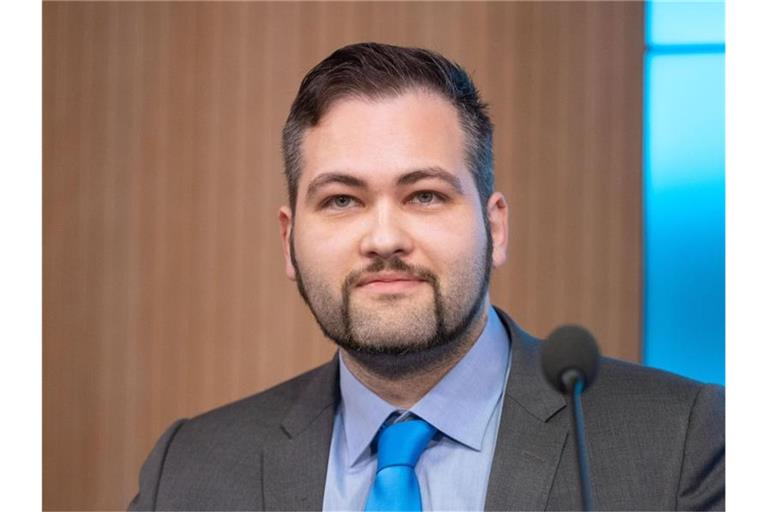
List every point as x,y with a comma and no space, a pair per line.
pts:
656,441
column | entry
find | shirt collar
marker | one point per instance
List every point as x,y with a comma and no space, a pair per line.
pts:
362,413
459,406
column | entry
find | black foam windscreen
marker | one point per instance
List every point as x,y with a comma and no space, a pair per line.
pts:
569,347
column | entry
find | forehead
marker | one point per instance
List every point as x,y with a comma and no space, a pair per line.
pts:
378,139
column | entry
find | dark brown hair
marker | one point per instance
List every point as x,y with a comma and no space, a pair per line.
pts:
373,70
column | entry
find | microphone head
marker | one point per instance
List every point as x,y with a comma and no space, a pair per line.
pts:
569,347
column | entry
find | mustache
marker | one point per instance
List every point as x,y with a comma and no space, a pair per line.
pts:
394,264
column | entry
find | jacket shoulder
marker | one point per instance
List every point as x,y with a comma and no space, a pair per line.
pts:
212,460
663,433
625,380
256,418
264,409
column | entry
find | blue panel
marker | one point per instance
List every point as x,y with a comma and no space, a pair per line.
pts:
680,23
685,215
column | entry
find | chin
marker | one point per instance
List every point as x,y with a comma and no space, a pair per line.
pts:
394,330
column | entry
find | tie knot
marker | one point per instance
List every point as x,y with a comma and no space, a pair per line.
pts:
401,444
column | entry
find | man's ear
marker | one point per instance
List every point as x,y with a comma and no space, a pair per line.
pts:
498,219
286,226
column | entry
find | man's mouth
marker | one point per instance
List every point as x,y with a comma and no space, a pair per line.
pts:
389,282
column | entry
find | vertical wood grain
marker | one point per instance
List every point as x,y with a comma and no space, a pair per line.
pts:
164,293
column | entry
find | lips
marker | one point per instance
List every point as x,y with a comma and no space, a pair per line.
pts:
389,283
388,279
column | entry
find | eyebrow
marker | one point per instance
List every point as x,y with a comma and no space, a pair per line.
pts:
431,173
408,178
333,177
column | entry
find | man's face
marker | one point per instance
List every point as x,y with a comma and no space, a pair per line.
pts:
388,241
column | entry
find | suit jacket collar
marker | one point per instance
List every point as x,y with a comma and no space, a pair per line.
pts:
321,394
294,466
526,384
528,449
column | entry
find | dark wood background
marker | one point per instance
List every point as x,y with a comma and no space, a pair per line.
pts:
164,293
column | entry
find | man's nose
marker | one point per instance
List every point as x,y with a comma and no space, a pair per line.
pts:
386,235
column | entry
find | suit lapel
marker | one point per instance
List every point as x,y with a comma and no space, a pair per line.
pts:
528,449
294,467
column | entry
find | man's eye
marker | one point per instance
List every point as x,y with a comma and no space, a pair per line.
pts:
426,197
340,202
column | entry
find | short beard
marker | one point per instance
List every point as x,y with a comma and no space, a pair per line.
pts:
407,357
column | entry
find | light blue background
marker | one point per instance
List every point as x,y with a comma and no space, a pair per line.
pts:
684,201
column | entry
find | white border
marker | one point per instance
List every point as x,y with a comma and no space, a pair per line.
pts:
20,257
746,254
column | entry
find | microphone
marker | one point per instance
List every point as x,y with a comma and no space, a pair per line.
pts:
569,359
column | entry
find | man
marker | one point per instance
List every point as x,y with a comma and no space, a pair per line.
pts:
391,233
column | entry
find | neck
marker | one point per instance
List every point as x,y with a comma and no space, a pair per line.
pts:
404,389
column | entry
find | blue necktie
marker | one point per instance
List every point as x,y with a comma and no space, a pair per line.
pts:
400,445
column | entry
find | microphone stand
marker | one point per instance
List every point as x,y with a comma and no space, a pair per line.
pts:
574,383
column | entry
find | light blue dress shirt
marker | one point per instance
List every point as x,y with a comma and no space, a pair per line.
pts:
465,407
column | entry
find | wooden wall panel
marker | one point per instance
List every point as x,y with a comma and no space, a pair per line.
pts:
164,292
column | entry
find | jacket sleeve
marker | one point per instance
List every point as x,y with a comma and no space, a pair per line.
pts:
702,475
152,470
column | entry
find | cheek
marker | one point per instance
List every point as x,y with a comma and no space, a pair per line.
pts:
323,252
454,242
